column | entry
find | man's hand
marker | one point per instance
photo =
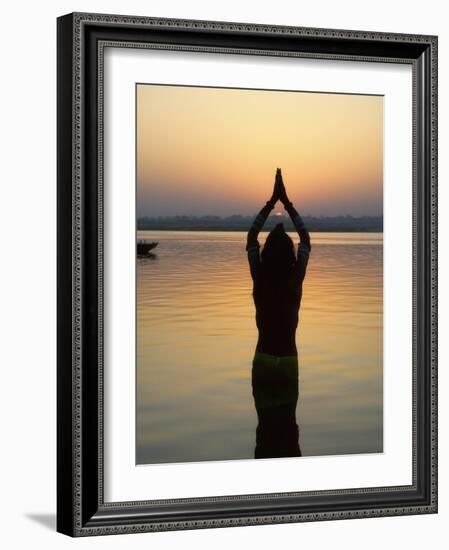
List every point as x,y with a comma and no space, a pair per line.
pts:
281,192
275,196
278,175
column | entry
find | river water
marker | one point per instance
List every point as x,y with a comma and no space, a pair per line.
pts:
196,336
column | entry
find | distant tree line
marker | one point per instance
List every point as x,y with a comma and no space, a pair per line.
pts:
242,223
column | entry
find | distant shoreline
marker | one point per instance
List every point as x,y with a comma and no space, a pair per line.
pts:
233,230
337,224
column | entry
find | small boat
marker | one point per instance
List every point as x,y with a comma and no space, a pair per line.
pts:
143,247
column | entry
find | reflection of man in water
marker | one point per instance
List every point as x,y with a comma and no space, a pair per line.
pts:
277,274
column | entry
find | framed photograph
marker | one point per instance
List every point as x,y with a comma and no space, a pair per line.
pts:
247,278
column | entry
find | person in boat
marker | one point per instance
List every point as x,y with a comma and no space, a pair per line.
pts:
277,274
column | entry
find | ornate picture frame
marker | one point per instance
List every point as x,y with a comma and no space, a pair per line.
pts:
81,507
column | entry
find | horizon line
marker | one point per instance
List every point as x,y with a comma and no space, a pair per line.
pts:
280,215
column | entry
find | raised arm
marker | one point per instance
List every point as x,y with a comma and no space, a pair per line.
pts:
252,244
304,247
298,222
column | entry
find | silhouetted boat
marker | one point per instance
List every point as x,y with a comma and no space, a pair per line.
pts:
143,247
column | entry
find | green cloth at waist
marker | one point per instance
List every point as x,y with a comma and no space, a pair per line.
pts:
274,380
269,361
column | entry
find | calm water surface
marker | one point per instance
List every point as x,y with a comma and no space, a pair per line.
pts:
196,337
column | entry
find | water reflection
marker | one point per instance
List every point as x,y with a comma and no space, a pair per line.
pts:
275,392
146,256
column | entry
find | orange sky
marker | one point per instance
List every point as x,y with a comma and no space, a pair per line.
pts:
215,151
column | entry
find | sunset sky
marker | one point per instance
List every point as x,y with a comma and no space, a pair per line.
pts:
215,151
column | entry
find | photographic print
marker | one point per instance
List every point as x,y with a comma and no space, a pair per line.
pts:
247,274
259,270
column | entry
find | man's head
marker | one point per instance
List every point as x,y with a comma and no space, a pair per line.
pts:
278,254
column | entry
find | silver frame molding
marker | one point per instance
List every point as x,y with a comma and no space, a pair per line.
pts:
81,42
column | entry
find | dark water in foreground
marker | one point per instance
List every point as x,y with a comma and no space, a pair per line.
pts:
196,336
